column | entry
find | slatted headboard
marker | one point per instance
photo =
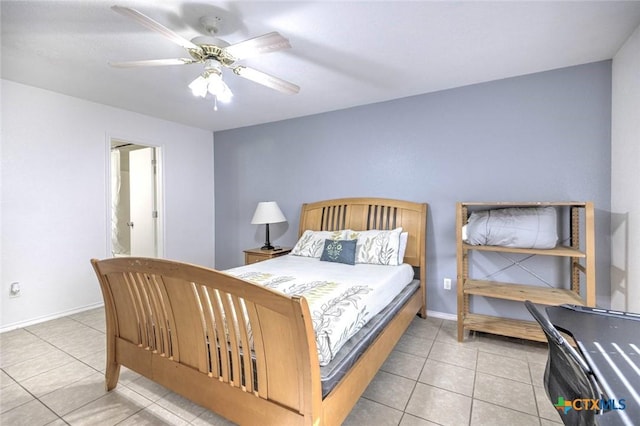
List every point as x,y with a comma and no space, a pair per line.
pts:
361,214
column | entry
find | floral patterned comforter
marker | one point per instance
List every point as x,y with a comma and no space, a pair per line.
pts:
342,298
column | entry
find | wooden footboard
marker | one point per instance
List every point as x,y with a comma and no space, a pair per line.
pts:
179,325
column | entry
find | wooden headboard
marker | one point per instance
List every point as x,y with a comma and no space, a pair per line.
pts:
361,214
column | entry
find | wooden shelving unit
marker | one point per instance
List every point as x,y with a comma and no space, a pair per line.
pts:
581,265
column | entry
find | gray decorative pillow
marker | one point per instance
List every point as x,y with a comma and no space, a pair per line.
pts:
341,251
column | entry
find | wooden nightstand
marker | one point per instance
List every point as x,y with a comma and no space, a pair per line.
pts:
258,255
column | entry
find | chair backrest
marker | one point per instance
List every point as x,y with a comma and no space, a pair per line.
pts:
567,377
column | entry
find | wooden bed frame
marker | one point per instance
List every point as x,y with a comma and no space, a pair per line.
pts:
165,320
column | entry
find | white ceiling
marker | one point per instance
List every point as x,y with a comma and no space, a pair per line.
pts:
343,54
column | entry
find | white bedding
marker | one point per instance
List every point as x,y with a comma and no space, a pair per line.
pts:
530,227
342,298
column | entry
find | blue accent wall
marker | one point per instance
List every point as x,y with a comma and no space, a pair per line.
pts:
539,137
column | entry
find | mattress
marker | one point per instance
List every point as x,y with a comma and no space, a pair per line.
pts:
350,352
342,298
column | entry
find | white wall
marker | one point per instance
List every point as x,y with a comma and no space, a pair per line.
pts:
54,202
625,191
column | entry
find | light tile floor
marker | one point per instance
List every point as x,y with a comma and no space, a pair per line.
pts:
52,374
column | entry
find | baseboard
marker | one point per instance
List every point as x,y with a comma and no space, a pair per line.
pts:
38,320
442,315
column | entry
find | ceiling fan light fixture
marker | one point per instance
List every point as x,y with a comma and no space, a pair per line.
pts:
199,86
211,82
220,90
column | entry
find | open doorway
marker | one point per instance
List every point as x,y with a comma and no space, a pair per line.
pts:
136,195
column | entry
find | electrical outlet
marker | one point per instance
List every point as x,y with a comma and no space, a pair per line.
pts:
14,289
447,283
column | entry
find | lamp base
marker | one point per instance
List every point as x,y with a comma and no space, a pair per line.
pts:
267,244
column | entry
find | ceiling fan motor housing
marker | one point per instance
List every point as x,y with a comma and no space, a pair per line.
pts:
211,48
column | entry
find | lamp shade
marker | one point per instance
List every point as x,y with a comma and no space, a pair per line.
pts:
268,212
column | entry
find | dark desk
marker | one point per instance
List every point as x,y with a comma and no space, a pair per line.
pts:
610,343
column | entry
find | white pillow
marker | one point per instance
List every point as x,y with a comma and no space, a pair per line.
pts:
379,247
311,243
404,237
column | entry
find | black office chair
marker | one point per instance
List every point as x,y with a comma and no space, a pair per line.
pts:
567,376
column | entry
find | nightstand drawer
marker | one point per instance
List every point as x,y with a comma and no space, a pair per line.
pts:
256,255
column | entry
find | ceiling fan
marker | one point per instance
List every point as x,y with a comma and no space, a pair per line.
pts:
215,54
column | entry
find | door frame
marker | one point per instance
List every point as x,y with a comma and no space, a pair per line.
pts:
160,185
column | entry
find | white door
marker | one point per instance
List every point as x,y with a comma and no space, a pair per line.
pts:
143,216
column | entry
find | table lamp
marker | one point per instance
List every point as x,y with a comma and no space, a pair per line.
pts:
267,212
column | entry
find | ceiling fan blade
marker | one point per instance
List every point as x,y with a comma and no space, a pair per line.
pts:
266,43
152,63
154,26
266,80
